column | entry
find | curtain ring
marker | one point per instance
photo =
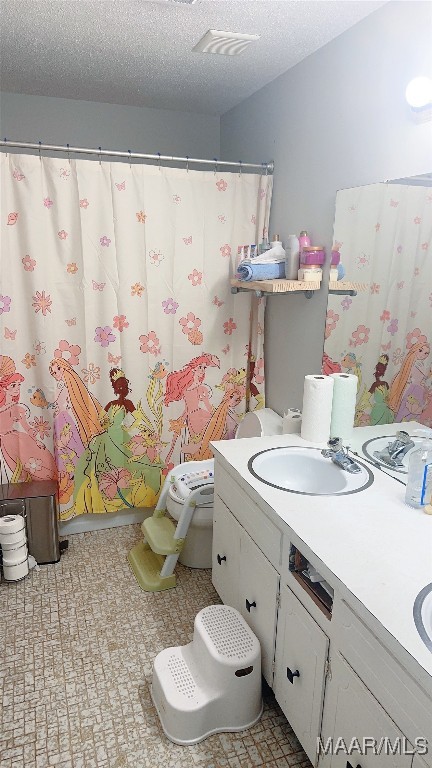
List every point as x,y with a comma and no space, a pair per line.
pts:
130,158
100,156
40,156
215,165
5,139
240,171
159,161
187,163
68,153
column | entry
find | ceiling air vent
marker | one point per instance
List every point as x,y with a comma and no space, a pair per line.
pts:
224,43
187,2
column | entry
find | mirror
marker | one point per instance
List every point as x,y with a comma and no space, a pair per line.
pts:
383,334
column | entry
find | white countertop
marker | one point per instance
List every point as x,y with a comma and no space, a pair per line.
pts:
372,542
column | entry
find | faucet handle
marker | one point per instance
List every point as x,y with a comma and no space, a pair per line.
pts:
403,436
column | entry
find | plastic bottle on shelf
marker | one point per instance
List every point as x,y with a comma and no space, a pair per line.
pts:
419,486
264,245
304,239
292,257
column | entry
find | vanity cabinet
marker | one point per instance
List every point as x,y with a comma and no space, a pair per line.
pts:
338,675
244,579
351,715
300,669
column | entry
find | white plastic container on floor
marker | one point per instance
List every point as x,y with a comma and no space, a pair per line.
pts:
212,684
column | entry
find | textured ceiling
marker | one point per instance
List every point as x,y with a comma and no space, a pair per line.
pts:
139,53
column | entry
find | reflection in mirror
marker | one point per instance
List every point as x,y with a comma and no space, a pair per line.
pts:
384,333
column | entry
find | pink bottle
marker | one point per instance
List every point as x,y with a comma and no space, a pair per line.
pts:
304,239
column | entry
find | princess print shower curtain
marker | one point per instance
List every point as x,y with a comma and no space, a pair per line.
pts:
123,351
384,334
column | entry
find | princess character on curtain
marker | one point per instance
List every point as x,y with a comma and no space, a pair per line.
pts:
188,384
120,385
407,391
25,457
109,475
224,421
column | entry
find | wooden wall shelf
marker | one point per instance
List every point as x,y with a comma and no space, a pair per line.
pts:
274,287
346,288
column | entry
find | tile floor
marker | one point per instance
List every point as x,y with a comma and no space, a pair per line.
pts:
78,641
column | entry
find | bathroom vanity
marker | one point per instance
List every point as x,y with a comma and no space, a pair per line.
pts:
345,660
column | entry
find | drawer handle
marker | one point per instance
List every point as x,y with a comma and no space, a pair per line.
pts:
250,605
292,675
219,559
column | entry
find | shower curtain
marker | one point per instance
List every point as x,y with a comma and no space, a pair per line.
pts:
123,351
384,234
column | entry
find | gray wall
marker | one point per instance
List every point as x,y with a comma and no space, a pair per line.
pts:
90,124
338,119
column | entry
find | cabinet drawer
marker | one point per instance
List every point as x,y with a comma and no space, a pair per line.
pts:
356,730
395,689
266,535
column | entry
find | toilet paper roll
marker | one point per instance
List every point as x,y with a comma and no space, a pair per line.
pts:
291,423
317,408
11,523
344,405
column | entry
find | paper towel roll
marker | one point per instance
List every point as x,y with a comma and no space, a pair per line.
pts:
291,422
344,405
317,408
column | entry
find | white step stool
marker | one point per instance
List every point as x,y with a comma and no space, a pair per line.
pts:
212,684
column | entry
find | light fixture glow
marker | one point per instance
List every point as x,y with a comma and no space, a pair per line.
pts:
419,92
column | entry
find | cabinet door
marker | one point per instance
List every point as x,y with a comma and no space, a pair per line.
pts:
301,654
351,716
226,554
258,593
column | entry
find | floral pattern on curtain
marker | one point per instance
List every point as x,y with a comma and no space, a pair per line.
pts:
384,234
123,351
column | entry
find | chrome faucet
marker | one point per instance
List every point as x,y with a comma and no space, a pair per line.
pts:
395,451
339,455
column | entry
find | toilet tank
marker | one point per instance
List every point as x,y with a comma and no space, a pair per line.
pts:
260,423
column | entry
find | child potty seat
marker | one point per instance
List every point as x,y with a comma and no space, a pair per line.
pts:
201,476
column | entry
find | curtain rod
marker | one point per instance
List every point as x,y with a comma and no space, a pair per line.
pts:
5,144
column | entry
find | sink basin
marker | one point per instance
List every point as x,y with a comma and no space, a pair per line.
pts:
304,470
379,443
423,615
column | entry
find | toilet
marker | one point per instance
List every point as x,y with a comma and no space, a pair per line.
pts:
197,549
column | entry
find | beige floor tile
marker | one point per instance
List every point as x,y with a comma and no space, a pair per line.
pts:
78,640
